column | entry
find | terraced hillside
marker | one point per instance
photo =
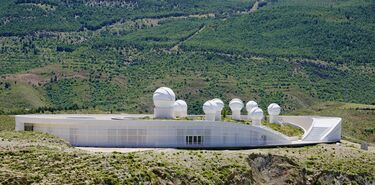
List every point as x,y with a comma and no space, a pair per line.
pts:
310,56
111,55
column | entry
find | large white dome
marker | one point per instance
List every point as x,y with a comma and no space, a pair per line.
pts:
236,104
274,109
210,107
164,97
180,105
256,113
250,105
219,103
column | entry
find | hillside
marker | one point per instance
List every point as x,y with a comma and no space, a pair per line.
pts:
312,57
32,157
111,55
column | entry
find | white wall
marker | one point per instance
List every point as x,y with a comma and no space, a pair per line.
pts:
155,133
100,130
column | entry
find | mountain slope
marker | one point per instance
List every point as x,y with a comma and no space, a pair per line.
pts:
294,53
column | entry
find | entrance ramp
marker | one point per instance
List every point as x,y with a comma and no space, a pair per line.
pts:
316,128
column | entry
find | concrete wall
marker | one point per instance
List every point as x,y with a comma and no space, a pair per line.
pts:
131,131
316,128
155,133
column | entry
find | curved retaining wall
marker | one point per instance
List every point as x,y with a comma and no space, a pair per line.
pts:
316,128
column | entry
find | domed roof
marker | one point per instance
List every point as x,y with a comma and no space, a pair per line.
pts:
250,105
219,103
274,109
210,107
164,96
236,104
235,99
256,113
180,105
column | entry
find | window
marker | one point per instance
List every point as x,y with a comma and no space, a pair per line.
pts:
194,140
29,127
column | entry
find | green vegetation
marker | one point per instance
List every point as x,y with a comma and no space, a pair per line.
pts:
285,129
288,130
290,52
7,123
18,95
32,157
334,31
294,53
21,17
82,56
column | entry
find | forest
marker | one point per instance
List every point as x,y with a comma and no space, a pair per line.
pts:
111,55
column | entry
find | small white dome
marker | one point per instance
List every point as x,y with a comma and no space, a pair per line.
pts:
250,105
210,107
256,113
164,97
274,109
180,105
236,104
219,103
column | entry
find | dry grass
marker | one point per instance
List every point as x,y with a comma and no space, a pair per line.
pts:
7,123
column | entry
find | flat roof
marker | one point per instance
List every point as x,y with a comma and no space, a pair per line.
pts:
85,116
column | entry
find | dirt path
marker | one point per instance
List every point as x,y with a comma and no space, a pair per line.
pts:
255,7
177,46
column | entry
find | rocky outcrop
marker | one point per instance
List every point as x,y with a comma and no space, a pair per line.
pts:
274,169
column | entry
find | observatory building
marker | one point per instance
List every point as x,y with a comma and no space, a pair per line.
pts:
162,129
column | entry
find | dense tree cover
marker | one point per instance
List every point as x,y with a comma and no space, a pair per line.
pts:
338,31
289,52
197,77
20,17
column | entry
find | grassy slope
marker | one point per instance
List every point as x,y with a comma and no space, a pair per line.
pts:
29,157
308,29
120,65
288,130
21,95
7,123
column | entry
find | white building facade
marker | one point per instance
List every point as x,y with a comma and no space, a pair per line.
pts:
105,131
162,129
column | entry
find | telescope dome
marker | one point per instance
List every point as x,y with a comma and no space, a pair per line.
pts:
274,109
180,105
219,103
250,105
236,104
210,107
256,113
164,97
